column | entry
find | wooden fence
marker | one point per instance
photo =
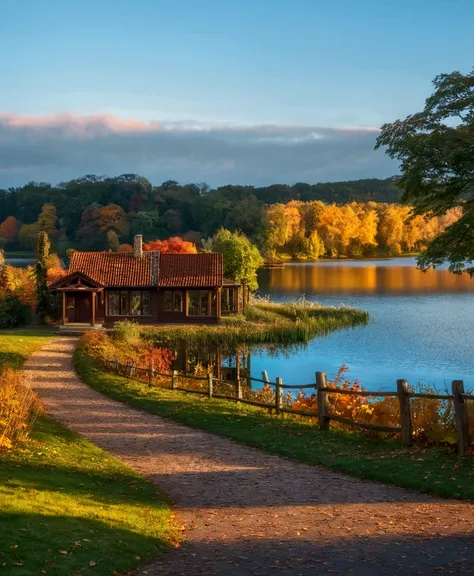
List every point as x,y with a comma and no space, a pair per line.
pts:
322,392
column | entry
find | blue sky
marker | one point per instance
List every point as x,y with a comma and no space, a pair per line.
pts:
223,68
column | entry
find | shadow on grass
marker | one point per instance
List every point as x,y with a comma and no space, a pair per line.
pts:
13,359
32,543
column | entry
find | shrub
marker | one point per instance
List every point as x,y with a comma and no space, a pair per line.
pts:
14,312
19,407
126,331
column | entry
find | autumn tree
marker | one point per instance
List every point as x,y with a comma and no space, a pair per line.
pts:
173,245
9,229
435,148
45,303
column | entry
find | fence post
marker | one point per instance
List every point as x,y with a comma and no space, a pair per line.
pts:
210,384
173,379
461,417
238,389
405,412
116,366
150,373
278,395
322,396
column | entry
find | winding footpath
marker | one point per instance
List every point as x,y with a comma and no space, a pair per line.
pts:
249,513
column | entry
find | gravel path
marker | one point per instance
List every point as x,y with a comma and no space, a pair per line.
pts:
250,513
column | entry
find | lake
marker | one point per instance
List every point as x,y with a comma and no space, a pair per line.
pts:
422,325
20,262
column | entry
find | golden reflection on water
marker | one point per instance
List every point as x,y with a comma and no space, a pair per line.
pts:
369,279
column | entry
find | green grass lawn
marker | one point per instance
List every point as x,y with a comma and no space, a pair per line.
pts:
68,508
16,345
435,470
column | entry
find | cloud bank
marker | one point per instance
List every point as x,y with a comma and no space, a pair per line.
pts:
65,146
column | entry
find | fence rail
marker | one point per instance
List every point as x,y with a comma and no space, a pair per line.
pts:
322,392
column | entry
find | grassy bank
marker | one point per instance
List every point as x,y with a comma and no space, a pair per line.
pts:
264,322
16,345
438,471
67,507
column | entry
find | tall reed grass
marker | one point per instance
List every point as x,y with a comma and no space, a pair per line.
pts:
265,322
19,406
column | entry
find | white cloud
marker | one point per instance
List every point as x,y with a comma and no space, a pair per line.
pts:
64,146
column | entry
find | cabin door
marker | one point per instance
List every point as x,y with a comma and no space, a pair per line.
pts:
79,308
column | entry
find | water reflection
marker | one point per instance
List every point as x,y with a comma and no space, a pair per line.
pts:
421,325
225,364
358,278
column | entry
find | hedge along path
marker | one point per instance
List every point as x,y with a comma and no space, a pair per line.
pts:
245,512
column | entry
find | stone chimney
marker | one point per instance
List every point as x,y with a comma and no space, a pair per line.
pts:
138,246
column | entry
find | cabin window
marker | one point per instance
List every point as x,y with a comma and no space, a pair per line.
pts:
168,301
114,304
200,303
124,303
229,300
193,303
129,303
172,301
177,302
136,303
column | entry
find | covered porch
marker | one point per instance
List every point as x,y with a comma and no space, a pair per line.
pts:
82,301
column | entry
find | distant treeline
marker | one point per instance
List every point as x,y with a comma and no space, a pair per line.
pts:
87,208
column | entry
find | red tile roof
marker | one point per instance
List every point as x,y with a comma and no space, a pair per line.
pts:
117,268
191,270
123,269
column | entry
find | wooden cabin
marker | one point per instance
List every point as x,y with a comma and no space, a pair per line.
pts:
102,288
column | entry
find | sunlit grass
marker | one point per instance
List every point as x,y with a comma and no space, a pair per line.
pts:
433,470
16,345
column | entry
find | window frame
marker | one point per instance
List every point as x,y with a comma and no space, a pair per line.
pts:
199,294
176,301
129,295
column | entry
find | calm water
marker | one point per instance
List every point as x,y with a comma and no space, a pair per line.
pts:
20,262
422,323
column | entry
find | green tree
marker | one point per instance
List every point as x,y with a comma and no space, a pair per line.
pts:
47,220
435,148
45,302
113,240
28,236
314,246
241,258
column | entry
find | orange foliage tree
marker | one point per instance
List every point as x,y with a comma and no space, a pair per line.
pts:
9,229
173,245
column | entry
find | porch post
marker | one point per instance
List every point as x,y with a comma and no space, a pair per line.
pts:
93,308
64,319
219,302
